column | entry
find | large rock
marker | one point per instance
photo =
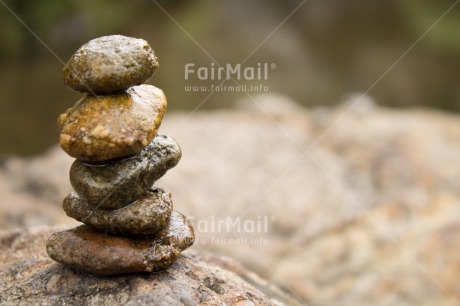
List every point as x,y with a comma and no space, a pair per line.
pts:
29,277
367,216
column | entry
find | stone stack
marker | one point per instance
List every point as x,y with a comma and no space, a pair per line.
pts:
130,226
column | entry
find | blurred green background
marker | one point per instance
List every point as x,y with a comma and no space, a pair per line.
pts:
326,49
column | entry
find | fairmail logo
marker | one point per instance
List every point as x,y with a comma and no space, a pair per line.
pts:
260,224
229,72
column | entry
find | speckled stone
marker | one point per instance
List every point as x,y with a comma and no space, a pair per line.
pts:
119,183
107,127
110,64
146,216
101,254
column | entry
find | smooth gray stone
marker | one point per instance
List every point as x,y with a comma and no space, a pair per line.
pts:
120,182
146,216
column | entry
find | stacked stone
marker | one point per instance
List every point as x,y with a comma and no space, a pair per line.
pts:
130,226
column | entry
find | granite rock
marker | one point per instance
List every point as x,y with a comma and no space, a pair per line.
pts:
30,277
110,64
145,216
106,127
87,249
359,220
116,184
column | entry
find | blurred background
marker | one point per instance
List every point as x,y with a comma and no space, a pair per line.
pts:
324,51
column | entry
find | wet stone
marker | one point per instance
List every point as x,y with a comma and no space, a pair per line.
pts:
118,183
110,64
106,127
101,254
146,216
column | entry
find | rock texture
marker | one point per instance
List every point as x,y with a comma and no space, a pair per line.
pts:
29,277
146,216
114,185
110,64
368,217
106,127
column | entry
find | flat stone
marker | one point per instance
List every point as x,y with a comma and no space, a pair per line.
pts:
146,216
110,64
101,128
88,249
119,183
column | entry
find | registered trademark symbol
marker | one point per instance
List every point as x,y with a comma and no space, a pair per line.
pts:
273,66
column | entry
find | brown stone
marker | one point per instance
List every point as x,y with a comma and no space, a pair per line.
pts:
146,216
101,254
110,64
102,128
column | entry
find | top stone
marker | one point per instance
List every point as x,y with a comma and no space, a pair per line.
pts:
110,64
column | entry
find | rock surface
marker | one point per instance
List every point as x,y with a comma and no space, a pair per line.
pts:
28,277
368,216
110,64
146,216
115,185
89,132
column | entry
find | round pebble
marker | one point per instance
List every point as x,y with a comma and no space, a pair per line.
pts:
119,183
102,128
110,64
146,216
88,249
